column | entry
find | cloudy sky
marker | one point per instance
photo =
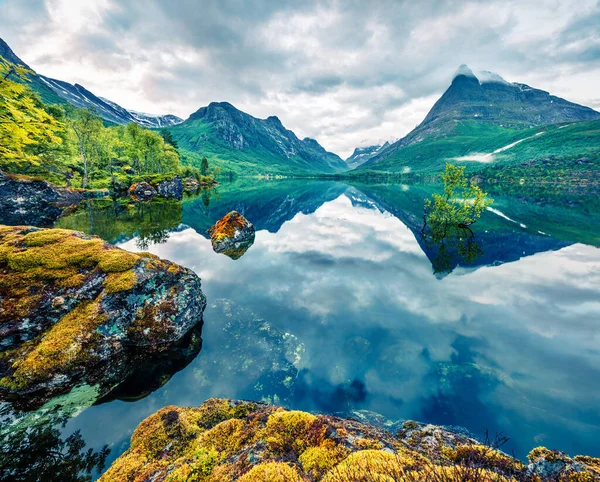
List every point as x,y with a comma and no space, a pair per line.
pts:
347,73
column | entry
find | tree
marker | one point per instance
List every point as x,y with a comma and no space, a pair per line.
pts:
168,138
204,166
87,127
460,206
448,217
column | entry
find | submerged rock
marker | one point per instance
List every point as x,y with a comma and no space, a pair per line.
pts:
71,305
225,440
232,235
37,202
171,189
141,191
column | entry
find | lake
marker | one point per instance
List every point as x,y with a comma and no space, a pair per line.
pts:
341,306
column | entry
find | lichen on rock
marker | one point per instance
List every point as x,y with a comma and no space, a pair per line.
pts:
69,303
232,235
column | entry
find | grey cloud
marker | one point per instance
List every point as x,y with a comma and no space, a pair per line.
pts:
314,62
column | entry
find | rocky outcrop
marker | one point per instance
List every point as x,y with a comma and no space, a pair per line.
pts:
225,440
232,235
71,305
32,201
171,189
141,191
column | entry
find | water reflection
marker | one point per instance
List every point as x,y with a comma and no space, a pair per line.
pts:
39,451
119,220
502,347
335,309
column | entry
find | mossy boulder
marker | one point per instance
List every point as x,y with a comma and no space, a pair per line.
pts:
225,440
232,235
71,305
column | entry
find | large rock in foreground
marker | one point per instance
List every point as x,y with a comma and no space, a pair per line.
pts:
232,235
71,305
29,201
224,440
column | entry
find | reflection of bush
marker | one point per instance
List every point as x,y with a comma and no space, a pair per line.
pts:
121,220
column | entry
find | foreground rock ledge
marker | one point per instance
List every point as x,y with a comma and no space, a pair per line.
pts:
71,304
225,440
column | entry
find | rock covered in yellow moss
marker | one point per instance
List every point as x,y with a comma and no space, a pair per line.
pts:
70,304
232,235
225,440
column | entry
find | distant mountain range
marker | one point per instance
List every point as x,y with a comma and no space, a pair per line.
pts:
228,137
480,118
53,91
238,141
363,154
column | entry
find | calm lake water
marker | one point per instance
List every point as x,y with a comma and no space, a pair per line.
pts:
337,308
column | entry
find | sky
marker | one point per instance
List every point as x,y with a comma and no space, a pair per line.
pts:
347,73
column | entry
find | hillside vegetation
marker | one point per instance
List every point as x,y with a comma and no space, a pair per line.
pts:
548,148
73,147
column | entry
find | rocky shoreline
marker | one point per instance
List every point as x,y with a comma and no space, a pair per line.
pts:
225,440
36,202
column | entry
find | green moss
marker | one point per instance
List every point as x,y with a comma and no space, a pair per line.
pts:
223,441
545,454
482,456
272,472
409,425
61,349
116,261
43,237
117,282
374,465
292,430
317,461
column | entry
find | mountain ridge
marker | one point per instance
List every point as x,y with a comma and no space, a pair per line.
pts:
229,136
54,91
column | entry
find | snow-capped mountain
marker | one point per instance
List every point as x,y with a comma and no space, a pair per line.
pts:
363,154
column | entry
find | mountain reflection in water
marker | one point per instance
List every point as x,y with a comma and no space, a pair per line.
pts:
336,308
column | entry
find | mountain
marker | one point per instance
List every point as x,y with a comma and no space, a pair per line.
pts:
477,114
53,91
363,154
46,93
232,139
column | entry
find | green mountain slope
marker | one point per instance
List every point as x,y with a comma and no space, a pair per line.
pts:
47,95
474,118
234,140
